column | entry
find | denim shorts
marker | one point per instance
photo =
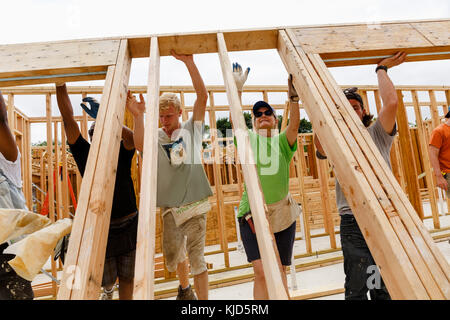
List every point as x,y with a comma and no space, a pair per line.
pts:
121,267
122,237
284,240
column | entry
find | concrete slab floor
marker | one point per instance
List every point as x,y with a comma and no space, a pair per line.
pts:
313,280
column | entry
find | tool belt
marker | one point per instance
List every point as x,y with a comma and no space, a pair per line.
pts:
186,212
280,214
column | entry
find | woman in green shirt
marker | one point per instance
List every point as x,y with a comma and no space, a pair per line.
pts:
273,152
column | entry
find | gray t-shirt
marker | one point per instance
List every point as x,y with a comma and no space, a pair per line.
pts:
383,141
181,177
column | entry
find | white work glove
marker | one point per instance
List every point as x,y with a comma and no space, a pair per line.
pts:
239,77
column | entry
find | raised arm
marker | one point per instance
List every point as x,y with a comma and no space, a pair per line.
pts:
388,112
239,78
294,114
70,124
65,107
137,109
8,146
197,82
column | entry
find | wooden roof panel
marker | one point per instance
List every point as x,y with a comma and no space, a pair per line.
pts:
437,32
359,38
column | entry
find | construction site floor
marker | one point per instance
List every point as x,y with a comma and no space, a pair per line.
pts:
319,275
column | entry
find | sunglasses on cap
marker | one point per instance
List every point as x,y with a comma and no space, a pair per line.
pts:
267,113
351,93
350,90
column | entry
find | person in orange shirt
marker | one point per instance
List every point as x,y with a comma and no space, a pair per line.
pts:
439,149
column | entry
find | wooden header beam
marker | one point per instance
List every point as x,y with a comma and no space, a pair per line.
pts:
338,45
59,61
195,43
37,90
368,44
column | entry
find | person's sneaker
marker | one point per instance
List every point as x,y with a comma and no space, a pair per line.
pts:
107,295
186,294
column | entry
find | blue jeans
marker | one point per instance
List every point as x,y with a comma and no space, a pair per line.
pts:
361,273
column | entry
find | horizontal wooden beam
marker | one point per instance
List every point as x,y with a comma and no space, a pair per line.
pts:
54,78
373,57
56,119
363,43
33,63
367,44
206,42
36,90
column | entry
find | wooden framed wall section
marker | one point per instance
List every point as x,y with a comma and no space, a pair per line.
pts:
412,266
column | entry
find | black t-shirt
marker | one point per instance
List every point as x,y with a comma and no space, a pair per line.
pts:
124,201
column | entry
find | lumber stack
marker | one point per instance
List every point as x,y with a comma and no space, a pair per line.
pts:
410,263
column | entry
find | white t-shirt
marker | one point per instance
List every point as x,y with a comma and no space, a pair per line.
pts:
181,177
12,170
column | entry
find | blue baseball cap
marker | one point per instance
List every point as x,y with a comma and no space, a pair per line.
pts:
261,104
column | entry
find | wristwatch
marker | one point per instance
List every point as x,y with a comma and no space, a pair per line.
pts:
294,98
381,67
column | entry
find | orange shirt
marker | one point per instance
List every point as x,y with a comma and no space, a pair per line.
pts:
440,138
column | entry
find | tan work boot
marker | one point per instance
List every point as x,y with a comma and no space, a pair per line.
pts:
107,294
186,294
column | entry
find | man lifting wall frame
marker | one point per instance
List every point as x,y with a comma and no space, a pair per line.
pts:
84,263
423,274
387,214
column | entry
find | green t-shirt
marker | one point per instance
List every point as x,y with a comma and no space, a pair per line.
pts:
272,156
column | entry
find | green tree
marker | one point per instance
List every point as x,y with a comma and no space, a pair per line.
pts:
248,120
305,126
223,124
39,144
44,143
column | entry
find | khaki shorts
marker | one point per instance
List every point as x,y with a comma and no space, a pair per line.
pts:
188,237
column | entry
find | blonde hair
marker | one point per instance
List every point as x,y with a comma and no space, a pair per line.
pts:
169,99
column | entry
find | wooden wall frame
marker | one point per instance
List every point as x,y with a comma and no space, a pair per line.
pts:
412,266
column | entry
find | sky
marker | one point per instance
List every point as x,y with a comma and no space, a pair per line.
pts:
26,21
